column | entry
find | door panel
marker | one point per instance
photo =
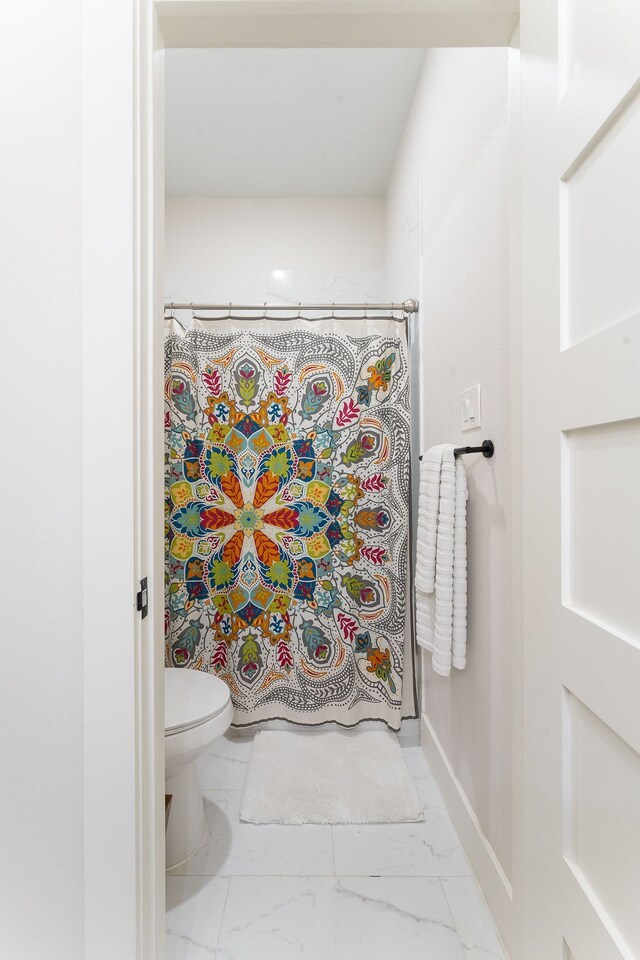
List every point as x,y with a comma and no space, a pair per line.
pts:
581,436
585,922
600,217
598,842
597,51
599,375
591,652
602,552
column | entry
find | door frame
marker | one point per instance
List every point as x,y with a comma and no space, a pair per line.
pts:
122,238
123,205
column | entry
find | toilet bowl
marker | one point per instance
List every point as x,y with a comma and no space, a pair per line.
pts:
197,710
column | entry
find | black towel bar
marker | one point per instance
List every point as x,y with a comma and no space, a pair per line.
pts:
487,450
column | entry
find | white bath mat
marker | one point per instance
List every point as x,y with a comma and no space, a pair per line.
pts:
334,777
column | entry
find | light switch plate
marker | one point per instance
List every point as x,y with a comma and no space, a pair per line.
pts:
470,408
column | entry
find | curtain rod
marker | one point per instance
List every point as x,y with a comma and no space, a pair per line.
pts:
408,306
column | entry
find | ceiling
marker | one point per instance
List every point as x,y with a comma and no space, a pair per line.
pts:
286,122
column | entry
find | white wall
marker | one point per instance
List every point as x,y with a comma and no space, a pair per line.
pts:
41,739
274,249
454,156
272,137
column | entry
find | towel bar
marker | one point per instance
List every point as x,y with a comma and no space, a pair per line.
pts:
487,450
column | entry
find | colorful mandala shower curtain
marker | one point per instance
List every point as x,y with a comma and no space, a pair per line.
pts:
287,516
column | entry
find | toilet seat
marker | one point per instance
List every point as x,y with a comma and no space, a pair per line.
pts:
191,697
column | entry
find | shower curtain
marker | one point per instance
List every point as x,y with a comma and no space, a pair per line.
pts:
287,516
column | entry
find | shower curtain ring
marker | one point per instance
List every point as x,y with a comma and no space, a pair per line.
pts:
193,312
299,317
229,314
333,311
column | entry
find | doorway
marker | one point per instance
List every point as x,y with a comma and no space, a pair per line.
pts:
301,177
410,30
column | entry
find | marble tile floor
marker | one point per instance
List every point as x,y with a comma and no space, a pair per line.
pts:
320,892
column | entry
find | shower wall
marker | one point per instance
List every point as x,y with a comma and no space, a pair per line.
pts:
448,232
274,249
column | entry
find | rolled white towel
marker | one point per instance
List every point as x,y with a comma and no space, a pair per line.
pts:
425,620
459,620
428,506
441,559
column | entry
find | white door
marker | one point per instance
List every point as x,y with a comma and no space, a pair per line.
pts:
578,878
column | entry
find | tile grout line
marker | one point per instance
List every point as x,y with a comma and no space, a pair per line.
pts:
453,920
224,910
440,878
327,876
333,852
487,910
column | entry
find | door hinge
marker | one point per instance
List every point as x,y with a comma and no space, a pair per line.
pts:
142,599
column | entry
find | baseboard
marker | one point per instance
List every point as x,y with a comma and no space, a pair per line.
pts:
492,879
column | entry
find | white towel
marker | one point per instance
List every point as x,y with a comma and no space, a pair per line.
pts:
441,559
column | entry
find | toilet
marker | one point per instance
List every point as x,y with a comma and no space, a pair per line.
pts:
197,710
